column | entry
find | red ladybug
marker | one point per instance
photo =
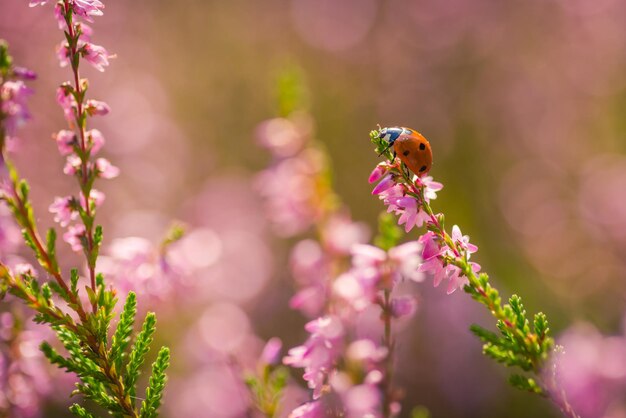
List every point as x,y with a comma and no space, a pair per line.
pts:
411,147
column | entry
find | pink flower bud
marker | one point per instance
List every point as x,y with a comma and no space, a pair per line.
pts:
378,173
95,140
95,107
72,165
66,140
96,55
74,236
386,183
105,169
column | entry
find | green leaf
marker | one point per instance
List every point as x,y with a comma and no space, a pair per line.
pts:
74,281
484,334
525,383
138,353
156,386
121,337
81,412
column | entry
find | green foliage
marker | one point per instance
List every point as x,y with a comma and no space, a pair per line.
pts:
388,232
138,353
81,412
420,412
292,92
154,392
266,388
5,58
121,337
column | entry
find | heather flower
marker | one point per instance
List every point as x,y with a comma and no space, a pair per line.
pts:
592,369
34,3
87,8
66,141
72,165
95,140
14,109
105,169
378,172
96,198
403,306
24,73
271,351
63,54
289,191
74,236
314,409
96,108
67,101
340,234
462,241
96,55
385,184
319,353
64,210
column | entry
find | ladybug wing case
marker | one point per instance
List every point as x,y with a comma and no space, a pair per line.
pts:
415,152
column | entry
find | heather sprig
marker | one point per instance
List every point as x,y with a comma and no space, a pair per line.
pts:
106,358
521,343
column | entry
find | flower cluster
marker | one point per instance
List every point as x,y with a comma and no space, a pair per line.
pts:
295,186
446,256
78,144
354,374
13,94
26,380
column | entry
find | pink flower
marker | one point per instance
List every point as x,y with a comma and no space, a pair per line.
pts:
358,291
378,172
341,233
75,236
13,95
431,187
407,260
95,140
402,306
386,183
59,15
314,409
72,165
592,369
96,198
87,8
362,401
24,73
66,141
462,240
96,108
67,102
411,214
63,54
271,351
319,353
430,254
64,210
96,55
105,169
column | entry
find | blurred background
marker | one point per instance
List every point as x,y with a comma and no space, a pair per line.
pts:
523,103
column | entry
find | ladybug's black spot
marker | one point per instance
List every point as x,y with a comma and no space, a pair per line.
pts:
422,168
405,153
422,146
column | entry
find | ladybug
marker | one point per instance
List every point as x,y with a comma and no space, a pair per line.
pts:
412,148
